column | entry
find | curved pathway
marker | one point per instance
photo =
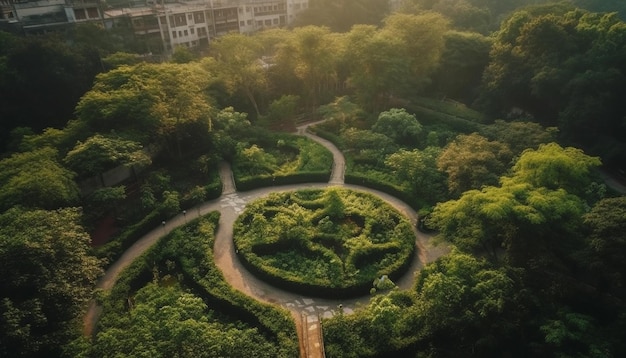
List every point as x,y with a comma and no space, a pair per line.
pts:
231,204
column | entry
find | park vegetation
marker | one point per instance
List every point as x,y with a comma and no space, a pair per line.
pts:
491,118
173,301
330,242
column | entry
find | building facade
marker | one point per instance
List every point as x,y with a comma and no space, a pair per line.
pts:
192,23
46,15
174,23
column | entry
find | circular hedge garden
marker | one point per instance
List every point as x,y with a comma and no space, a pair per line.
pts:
324,242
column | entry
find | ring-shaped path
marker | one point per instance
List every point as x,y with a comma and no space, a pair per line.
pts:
232,203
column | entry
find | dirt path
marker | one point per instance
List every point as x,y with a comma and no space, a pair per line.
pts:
306,310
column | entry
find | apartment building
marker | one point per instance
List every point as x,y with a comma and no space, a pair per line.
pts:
192,23
174,23
26,16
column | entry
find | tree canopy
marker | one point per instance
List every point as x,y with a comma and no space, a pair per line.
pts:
565,68
36,179
472,161
46,278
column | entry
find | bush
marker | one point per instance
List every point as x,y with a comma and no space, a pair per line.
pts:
249,183
429,116
324,243
385,187
187,253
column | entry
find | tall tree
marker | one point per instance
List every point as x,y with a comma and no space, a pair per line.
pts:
151,103
36,179
45,68
533,215
464,58
341,15
99,153
418,169
239,59
460,293
565,68
310,54
46,278
471,161
395,60
607,244
555,167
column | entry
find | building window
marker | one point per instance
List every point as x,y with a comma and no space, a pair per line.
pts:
192,30
198,17
80,14
179,20
242,23
174,34
186,33
249,22
275,21
189,16
180,34
268,22
259,23
92,13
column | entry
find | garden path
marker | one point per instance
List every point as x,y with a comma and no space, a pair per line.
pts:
305,310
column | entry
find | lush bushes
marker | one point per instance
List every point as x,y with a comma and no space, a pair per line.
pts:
429,116
325,243
184,257
171,205
282,158
385,187
249,183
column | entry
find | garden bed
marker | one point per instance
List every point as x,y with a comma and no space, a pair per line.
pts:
324,243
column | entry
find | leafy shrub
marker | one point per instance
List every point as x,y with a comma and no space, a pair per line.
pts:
322,243
186,253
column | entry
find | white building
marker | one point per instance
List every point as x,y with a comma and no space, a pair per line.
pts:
194,22
43,15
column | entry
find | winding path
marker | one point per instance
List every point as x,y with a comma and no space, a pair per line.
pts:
305,310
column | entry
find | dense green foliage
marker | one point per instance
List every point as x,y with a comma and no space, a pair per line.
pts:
341,15
565,69
332,242
551,282
173,301
46,278
264,154
541,290
457,293
36,179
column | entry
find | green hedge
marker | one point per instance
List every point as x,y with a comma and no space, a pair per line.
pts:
191,249
278,279
255,182
113,249
428,116
385,187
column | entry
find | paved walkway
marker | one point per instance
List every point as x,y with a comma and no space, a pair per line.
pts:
305,310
